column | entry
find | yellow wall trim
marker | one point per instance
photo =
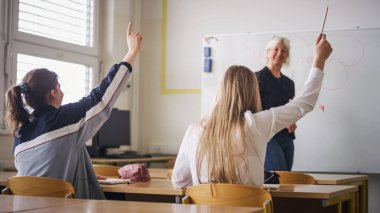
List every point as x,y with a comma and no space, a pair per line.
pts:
165,90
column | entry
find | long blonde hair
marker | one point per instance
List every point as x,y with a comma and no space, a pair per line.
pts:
237,92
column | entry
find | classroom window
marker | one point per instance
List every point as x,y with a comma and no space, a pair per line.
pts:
64,20
60,35
74,78
3,43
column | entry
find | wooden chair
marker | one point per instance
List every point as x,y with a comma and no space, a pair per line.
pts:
229,195
287,177
38,186
106,170
169,174
170,164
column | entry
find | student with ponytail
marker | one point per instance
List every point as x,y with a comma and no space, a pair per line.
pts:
49,138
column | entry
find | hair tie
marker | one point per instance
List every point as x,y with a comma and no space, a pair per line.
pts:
23,87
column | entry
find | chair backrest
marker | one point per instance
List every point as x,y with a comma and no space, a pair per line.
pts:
287,177
39,186
106,170
170,164
169,173
229,195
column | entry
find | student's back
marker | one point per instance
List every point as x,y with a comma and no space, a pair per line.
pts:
229,145
50,141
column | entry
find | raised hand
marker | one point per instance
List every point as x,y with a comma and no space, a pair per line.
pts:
322,51
134,40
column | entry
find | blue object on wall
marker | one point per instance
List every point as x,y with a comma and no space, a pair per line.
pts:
207,65
207,51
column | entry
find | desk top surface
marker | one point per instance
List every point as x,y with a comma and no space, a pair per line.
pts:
131,160
165,187
161,173
337,179
312,191
324,179
155,186
158,173
11,203
15,203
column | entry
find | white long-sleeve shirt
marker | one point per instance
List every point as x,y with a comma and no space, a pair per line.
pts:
262,126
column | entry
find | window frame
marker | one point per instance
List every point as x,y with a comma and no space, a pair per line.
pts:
23,43
4,5
19,47
21,36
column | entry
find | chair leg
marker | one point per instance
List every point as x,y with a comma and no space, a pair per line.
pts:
6,191
186,200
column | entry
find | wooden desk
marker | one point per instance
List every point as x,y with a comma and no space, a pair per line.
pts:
115,161
158,187
11,203
313,198
324,198
345,179
155,186
160,173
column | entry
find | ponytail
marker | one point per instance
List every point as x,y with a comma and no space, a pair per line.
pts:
17,112
29,95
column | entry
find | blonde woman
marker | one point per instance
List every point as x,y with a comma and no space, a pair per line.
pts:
276,89
229,145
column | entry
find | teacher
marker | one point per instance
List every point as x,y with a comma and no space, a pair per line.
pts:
276,89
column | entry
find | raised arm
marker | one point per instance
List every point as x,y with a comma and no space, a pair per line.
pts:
322,51
267,123
134,43
95,109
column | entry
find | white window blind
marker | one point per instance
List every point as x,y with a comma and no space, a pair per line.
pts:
60,35
75,79
64,20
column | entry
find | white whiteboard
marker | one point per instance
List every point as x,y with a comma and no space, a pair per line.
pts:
345,136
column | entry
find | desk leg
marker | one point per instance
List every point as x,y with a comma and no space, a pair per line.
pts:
178,199
362,201
340,207
363,197
350,198
352,204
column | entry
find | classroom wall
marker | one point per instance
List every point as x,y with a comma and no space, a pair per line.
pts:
6,154
164,116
